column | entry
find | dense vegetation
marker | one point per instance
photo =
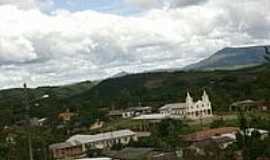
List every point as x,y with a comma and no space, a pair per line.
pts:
156,89
12,101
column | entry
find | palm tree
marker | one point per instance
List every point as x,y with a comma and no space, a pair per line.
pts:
267,54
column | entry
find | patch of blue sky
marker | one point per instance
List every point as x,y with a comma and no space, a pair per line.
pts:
107,6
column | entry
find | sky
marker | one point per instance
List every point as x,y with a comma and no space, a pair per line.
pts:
56,42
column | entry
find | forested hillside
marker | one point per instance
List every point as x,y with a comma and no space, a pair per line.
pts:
12,101
156,89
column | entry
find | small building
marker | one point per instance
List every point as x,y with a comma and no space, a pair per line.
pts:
207,149
263,133
201,144
67,150
104,140
131,153
115,114
97,125
263,106
245,105
78,145
136,111
148,121
250,105
67,115
38,122
211,133
157,117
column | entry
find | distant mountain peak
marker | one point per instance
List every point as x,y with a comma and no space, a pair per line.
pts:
230,58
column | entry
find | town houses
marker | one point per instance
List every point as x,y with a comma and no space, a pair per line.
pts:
77,146
189,109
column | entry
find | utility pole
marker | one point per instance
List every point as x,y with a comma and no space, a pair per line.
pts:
27,107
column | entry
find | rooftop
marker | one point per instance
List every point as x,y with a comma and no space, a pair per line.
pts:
115,113
213,141
207,134
173,106
61,145
82,139
139,108
151,117
244,102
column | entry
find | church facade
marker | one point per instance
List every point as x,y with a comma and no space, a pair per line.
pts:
189,109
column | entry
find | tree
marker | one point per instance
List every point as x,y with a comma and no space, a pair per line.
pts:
218,123
166,133
243,138
251,144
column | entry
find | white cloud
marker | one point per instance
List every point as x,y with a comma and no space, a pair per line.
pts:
22,4
68,46
16,49
29,4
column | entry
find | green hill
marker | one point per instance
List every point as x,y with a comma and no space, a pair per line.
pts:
156,89
12,101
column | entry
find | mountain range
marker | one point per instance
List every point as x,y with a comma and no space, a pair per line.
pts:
231,58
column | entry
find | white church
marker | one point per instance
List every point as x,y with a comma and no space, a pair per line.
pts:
190,109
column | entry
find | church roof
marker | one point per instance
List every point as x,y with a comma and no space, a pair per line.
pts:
173,106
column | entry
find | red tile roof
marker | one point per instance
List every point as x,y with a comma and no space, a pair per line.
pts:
207,134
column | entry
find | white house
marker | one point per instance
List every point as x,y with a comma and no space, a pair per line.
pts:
250,131
189,109
136,111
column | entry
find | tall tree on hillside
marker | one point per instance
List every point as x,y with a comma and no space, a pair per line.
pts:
267,54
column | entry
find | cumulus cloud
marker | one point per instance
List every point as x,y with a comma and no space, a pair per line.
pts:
29,4
64,47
